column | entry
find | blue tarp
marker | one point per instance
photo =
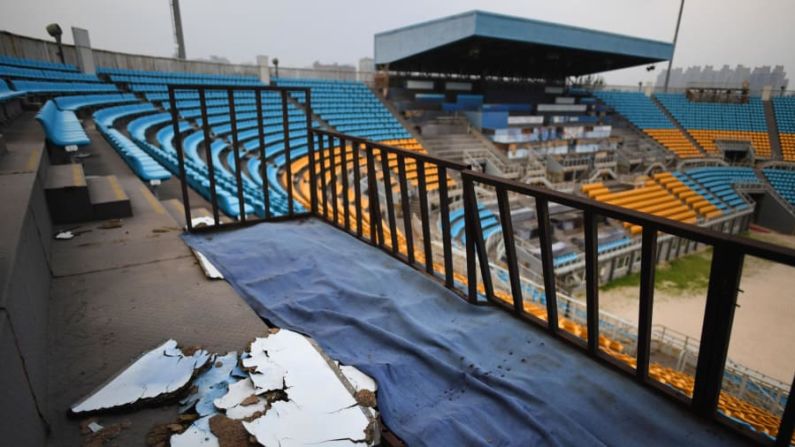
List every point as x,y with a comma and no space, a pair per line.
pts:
449,373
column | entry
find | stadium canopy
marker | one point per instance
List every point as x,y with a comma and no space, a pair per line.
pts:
478,42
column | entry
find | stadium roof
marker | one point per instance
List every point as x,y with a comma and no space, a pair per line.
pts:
478,42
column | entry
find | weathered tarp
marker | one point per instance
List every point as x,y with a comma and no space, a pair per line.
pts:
449,373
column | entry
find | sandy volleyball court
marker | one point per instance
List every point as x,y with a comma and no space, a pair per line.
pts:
763,335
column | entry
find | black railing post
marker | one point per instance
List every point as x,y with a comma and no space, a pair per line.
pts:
287,153
332,158
386,172
346,212
591,281
405,208
510,250
647,268
208,155
444,211
180,157
547,265
372,194
357,187
310,141
785,429
724,282
266,198
322,173
470,208
422,190
236,151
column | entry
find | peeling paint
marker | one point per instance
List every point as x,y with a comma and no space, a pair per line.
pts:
211,384
160,371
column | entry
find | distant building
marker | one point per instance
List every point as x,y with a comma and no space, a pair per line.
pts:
707,76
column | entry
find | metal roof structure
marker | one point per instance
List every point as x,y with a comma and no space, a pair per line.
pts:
478,42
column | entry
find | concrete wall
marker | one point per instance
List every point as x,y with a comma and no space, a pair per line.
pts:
31,48
25,233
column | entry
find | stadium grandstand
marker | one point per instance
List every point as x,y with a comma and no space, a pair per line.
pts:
453,224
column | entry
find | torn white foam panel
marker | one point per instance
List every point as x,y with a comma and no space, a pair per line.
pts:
211,384
358,379
207,267
160,371
288,424
197,435
319,408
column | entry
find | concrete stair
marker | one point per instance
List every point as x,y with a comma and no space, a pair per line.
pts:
772,130
682,130
72,198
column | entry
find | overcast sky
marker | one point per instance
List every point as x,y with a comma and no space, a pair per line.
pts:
300,32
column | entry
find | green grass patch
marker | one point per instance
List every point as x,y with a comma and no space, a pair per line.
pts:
688,273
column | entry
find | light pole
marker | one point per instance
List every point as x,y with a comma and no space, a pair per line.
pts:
54,30
276,66
676,35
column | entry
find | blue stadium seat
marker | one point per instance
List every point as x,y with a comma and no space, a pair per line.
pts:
62,127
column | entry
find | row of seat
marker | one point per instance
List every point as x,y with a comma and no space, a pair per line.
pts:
76,102
7,94
7,71
720,181
174,74
62,87
784,108
62,127
35,63
783,181
642,112
139,161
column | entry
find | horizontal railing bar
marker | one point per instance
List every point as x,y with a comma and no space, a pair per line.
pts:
269,88
750,247
396,150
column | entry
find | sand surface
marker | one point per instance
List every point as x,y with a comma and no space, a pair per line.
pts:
763,335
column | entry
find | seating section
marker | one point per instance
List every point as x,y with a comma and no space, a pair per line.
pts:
647,116
489,223
708,122
783,181
717,184
62,127
139,161
351,108
663,195
8,94
48,75
784,108
77,102
35,63
45,87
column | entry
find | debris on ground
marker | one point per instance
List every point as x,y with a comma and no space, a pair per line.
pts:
110,224
64,236
162,371
95,435
283,391
210,271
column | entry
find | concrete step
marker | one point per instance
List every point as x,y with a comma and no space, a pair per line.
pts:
67,194
108,199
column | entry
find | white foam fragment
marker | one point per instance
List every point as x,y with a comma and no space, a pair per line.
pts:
94,427
320,409
64,236
288,424
266,375
197,435
211,384
162,370
237,393
358,379
241,411
207,267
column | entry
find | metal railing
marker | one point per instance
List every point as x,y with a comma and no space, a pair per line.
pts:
724,279
366,189
231,94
